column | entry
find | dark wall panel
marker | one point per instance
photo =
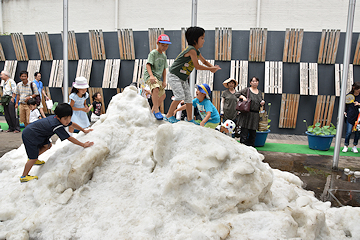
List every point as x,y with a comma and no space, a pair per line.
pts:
240,51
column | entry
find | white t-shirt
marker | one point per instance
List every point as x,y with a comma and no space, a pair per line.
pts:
34,115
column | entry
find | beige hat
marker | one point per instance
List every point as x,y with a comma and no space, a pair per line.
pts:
225,83
80,83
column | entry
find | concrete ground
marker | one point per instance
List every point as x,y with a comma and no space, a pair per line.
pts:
314,170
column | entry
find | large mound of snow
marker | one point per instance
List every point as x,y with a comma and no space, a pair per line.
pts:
149,179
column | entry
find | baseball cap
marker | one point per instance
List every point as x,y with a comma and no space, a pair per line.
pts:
204,88
163,38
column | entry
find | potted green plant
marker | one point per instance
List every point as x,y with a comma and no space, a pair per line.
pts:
264,126
320,138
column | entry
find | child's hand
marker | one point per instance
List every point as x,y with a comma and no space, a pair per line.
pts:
215,68
164,84
88,144
202,123
85,109
87,130
153,79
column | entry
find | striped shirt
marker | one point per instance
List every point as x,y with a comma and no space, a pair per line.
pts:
24,90
9,87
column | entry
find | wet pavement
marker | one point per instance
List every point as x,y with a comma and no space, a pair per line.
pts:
341,189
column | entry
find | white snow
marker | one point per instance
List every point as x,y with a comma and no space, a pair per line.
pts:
149,179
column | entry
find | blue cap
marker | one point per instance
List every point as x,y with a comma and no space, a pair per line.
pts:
204,88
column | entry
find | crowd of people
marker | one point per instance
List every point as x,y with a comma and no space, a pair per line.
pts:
38,130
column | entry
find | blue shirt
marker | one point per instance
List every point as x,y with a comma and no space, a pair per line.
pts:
41,130
39,85
207,106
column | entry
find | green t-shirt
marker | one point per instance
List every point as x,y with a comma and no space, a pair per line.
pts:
183,66
158,64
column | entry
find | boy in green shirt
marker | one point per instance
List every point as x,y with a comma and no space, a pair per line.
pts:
180,70
155,68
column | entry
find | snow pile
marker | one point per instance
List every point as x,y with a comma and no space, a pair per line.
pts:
148,179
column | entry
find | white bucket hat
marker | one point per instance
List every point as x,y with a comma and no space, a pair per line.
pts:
80,83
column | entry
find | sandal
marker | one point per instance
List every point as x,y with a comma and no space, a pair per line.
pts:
8,131
16,131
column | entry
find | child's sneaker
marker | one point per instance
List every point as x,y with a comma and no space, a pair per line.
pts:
158,115
27,178
345,149
354,149
171,119
39,162
193,121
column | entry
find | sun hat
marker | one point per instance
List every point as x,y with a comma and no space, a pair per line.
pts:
80,83
163,38
204,88
225,83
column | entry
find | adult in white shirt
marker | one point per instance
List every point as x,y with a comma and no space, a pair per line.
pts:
9,88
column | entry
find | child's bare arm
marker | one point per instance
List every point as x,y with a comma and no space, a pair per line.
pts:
152,77
208,115
72,102
179,109
194,58
74,125
77,142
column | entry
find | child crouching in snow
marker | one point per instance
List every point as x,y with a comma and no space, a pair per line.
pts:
226,127
36,136
208,112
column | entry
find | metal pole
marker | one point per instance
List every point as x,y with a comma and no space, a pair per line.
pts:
65,51
340,122
193,23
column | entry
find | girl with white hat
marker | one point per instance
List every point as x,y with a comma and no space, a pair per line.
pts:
229,100
78,98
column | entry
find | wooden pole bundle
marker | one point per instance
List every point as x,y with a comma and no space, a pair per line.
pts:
324,110
257,44
328,46
2,54
43,43
289,110
56,74
293,45
97,45
111,73
308,78
19,46
138,73
216,99
357,53
338,78
205,76
239,72
10,66
273,77
154,33
223,41
84,68
126,44
33,67
73,53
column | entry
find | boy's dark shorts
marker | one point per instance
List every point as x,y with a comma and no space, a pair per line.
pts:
32,149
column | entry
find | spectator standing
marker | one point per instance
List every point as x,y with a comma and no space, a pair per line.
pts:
351,113
41,91
229,100
9,88
249,121
24,92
